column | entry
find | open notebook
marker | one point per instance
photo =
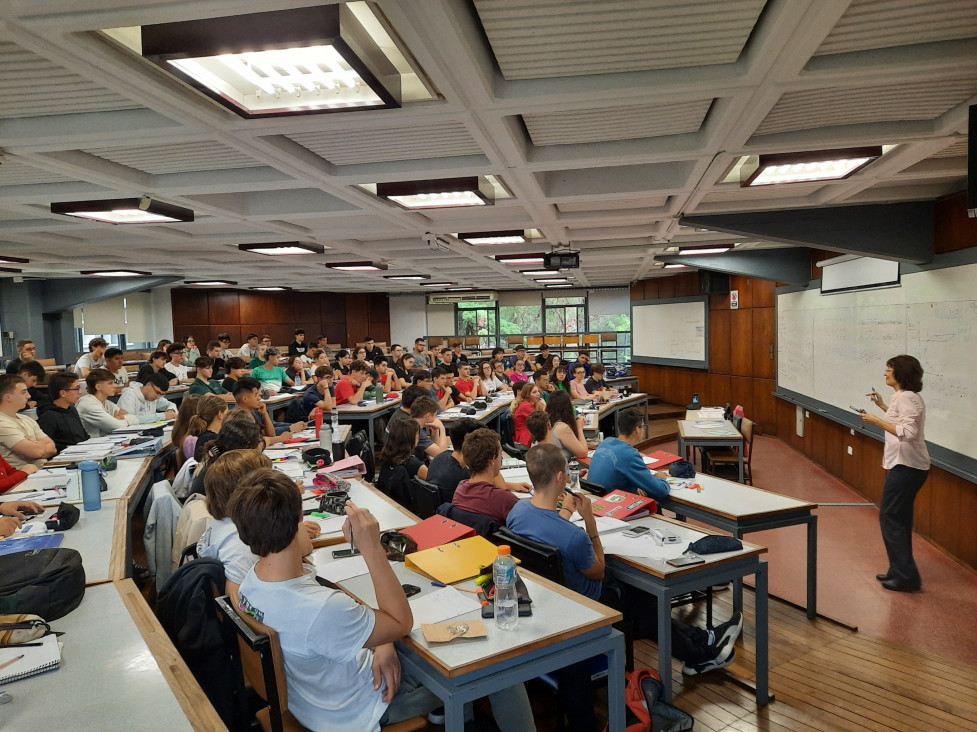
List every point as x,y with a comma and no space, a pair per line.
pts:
36,660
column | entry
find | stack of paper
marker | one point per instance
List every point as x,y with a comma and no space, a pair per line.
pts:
711,413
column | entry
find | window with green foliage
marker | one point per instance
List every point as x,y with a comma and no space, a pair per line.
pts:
478,319
565,314
620,324
520,319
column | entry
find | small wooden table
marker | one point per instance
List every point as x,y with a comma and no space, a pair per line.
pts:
691,433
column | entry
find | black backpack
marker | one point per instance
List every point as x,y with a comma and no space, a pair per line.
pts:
45,582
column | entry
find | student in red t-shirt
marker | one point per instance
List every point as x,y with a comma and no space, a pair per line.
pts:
385,377
350,388
482,450
469,387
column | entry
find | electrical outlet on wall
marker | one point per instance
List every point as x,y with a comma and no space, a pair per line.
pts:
851,450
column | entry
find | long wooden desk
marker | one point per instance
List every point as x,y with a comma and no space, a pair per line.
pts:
690,435
389,514
741,509
118,671
614,408
351,414
666,582
491,416
565,628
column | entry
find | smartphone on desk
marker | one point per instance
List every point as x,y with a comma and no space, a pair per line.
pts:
345,553
636,531
685,560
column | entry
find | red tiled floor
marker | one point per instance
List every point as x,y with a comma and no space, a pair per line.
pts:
940,619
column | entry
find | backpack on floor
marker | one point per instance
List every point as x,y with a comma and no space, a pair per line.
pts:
645,710
45,582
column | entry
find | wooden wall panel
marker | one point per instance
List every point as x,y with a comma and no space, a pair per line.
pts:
189,306
834,446
719,341
718,393
333,310
380,321
224,307
741,343
764,293
952,228
745,287
741,392
651,289
764,343
357,317
234,330
638,290
765,406
666,287
687,285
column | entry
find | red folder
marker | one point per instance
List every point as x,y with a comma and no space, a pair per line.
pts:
663,458
437,530
623,505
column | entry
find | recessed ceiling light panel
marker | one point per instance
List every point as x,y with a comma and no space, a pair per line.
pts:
703,250
272,288
806,167
519,258
298,61
436,284
124,211
357,266
410,277
211,283
115,273
284,248
5,259
487,238
444,193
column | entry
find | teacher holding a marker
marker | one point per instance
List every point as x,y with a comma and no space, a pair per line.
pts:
907,461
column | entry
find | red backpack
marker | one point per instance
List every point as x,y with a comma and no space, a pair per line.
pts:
646,711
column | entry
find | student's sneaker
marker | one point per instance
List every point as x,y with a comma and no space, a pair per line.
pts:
436,716
723,659
730,630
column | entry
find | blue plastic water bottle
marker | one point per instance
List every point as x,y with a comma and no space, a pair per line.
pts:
91,490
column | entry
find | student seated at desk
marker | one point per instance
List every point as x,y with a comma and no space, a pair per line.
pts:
94,359
180,436
596,382
385,378
469,387
343,362
359,354
213,352
449,468
157,360
517,373
422,359
340,663
296,370
371,353
583,359
518,355
432,436
298,347
582,555
113,362
578,386
236,368
316,358
527,399
98,415
247,396
617,465
424,380
540,361
203,425
224,339
559,379
491,383
205,383
33,374
446,361
238,432
498,368
542,380
190,352
567,429
398,463
405,370
319,396
350,388
59,419
258,356
270,374
445,393
175,366
249,347
12,516
482,450
146,401
25,352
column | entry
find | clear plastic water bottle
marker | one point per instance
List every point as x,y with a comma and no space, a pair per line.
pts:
91,489
506,603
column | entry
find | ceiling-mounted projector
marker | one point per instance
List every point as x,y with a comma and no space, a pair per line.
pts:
562,260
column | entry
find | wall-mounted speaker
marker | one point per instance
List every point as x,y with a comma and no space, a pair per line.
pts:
713,283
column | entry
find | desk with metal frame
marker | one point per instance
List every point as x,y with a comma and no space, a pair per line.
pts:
490,417
727,436
741,509
614,408
666,582
565,628
351,414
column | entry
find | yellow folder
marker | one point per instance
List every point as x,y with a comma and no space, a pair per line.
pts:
454,561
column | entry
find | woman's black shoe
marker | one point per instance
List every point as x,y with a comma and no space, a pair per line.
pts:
897,586
882,577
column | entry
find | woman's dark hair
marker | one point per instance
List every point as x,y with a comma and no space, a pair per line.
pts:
560,408
559,383
548,364
237,434
400,442
907,371
481,369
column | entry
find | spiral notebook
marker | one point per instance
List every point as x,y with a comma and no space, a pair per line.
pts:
36,660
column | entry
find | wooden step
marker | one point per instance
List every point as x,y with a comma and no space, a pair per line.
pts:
664,410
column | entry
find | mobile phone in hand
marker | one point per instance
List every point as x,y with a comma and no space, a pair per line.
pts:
345,553
856,409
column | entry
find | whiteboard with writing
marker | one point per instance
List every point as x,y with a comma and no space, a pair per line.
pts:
833,349
671,332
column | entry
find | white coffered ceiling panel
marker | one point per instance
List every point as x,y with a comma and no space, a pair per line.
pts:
177,158
440,140
615,123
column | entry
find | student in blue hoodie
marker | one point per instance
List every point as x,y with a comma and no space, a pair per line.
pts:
617,465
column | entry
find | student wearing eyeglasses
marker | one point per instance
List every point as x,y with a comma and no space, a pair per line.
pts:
617,464
60,420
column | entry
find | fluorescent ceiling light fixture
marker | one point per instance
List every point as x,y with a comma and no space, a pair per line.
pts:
116,273
486,238
211,283
286,62
11,269
272,288
703,250
519,258
555,281
357,267
557,287
800,167
675,266
436,284
473,190
540,272
125,211
407,277
282,248
4,259
460,289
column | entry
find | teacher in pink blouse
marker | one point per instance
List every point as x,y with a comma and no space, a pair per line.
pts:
907,461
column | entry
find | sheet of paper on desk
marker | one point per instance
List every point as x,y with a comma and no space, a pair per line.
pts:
444,604
293,469
648,460
339,570
515,475
605,524
642,546
331,525
711,412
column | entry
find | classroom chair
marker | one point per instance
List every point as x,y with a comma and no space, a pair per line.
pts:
596,488
535,556
727,458
425,497
515,450
483,525
264,671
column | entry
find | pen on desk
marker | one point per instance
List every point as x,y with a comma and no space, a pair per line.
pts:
12,660
20,645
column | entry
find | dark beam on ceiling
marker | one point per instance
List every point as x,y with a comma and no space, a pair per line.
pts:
900,231
790,264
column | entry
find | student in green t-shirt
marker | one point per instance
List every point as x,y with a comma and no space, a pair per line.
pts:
205,383
270,374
